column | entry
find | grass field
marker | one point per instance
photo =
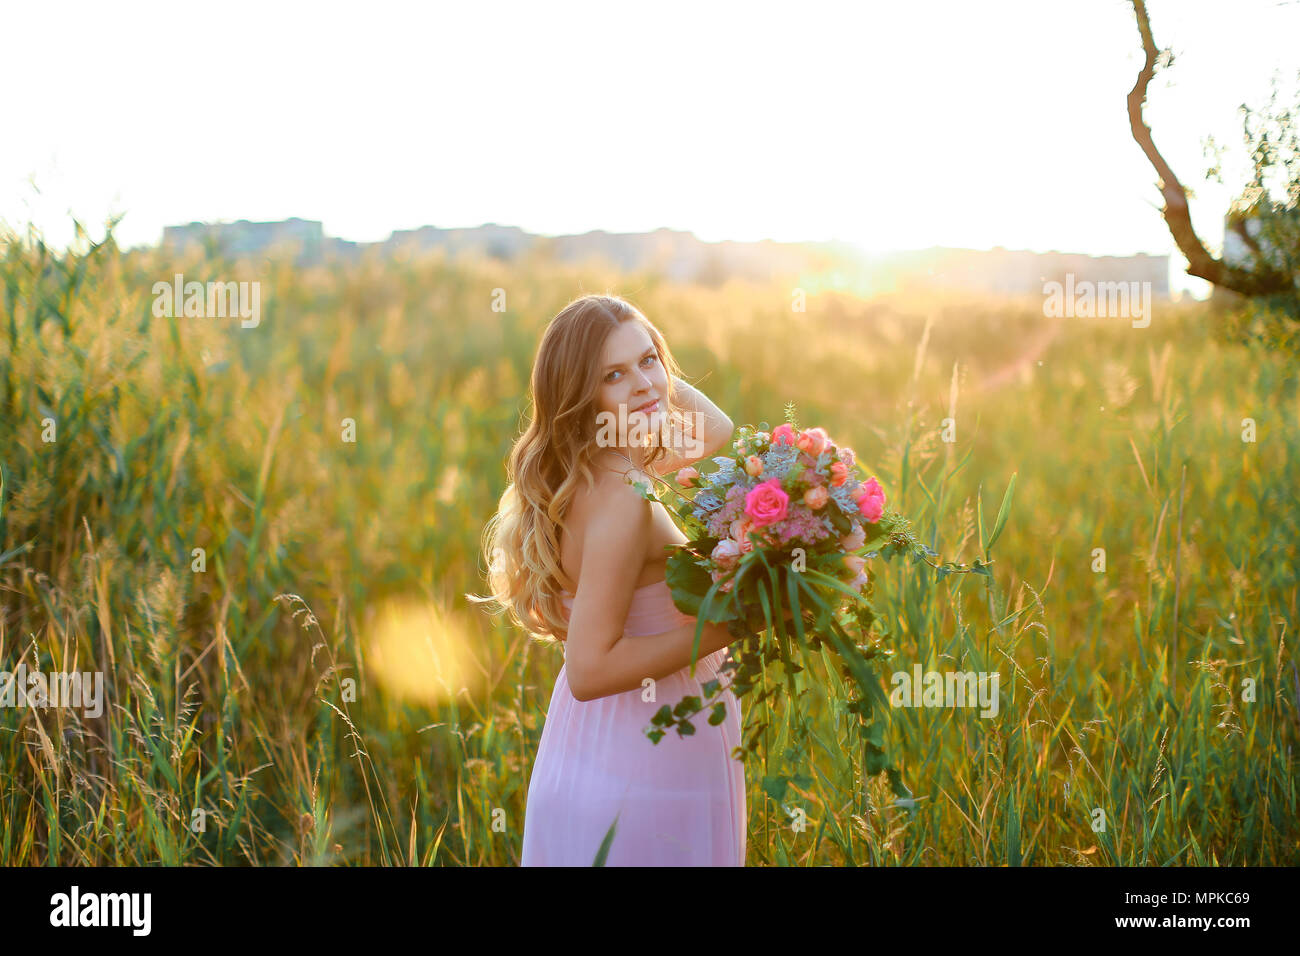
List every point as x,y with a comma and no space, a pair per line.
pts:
375,717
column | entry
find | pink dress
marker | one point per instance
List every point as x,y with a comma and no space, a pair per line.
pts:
680,802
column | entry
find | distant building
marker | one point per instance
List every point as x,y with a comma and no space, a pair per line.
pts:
500,242
1236,252
251,238
682,257
1013,272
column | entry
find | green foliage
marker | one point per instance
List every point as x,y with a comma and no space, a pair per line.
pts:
1268,209
603,853
175,434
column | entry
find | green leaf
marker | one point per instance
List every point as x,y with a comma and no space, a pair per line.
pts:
686,580
874,759
899,788
686,706
603,852
1003,512
775,786
831,582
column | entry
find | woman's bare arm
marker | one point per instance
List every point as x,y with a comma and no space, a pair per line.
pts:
633,659
707,429
599,659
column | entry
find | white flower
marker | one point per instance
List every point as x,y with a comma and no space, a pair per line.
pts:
726,554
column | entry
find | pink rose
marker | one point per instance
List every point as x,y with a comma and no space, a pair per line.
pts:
854,539
839,473
854,562
813,441
871,500
754,466
687,476
717,575
767,503
815,498
859,582
726,554
783,435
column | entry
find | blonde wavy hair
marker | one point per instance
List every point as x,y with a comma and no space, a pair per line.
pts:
521,542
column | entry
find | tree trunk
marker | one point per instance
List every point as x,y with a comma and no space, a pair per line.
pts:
1262,280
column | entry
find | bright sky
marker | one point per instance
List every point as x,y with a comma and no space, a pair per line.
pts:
890,125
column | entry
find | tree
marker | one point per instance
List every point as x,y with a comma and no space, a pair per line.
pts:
1268,270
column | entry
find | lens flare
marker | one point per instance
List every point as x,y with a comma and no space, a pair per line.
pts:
420,652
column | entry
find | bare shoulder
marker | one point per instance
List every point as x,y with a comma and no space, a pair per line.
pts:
614,506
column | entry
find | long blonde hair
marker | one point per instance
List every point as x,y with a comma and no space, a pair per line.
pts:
521,542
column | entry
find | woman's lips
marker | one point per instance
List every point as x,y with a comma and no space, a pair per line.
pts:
651,407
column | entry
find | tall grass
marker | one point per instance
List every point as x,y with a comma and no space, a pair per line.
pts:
231,734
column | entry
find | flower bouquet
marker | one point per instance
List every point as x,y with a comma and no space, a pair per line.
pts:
787,521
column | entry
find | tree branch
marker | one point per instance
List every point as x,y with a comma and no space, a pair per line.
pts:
1200,263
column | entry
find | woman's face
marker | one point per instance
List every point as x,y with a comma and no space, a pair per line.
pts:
631,376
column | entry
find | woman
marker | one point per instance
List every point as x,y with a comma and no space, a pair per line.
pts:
578,557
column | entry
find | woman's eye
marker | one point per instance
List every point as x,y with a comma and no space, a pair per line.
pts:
648,358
